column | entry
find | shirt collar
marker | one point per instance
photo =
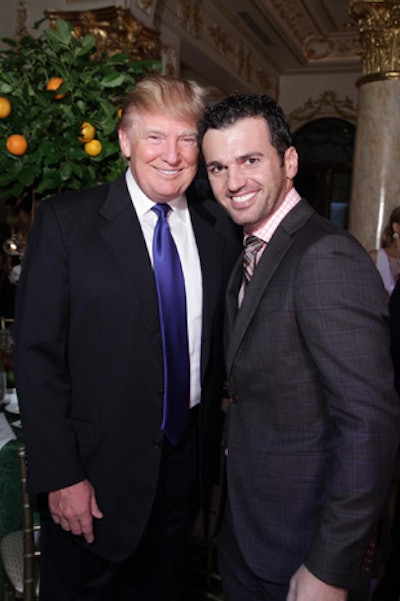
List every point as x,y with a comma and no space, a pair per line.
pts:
143,204
268,228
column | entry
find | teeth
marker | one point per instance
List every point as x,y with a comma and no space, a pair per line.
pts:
169,172
242,198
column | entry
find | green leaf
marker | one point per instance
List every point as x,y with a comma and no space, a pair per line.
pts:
88,43
27,176
55,160
112,80
61,36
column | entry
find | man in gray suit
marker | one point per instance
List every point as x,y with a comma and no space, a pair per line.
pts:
312,429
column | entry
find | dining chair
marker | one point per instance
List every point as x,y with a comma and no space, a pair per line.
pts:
20,549
6,323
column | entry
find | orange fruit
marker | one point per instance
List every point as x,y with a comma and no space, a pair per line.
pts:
53,84
93,148
5,107
88,132
17,145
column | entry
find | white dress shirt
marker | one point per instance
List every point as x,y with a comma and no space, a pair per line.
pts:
183,235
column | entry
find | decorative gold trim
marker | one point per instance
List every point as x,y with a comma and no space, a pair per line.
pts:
243,62
340,45
327,105
379,27
115,30
390,76
220,38
190,17
21,30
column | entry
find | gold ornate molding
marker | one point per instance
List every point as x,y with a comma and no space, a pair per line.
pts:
190,17
327,105
265,82
147,6
221,39
115,30
379,27
21,30
341,45
243,62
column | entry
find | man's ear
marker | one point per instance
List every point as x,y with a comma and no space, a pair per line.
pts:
291,160
124,143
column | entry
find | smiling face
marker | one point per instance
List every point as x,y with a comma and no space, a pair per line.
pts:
162,152
246,174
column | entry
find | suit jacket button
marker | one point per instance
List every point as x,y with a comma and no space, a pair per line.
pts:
157,443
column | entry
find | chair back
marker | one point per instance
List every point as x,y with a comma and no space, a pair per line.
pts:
30,548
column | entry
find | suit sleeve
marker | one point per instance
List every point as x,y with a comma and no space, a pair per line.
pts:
41,350
394,312
342,312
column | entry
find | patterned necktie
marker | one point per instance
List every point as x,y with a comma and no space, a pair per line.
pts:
252,246
172,307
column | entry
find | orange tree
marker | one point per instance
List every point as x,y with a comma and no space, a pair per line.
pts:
55,89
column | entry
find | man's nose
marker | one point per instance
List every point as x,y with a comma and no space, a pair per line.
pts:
171,152
236,179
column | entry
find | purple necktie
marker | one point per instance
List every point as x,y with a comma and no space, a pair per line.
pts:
172,307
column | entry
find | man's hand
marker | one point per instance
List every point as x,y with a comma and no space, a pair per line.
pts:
74,508
304,586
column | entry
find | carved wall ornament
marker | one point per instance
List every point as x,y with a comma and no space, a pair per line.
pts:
327,105
115,30
316,47
221,39
190,17
294,18
243,62
170,61
147,6
379,27
339,45
21,29
268,87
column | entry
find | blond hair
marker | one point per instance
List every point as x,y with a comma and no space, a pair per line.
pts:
179,98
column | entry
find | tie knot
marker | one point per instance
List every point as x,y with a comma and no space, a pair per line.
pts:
253,244
162,209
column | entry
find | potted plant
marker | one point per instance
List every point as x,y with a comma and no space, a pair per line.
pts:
59,111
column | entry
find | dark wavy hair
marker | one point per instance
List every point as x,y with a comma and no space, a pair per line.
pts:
387,234
239,106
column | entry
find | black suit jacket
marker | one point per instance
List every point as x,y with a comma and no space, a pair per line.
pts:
313,428
89,365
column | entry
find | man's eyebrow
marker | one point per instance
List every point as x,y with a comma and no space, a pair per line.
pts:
249,155
214,164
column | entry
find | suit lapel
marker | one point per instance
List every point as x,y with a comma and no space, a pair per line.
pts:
123,236
280,243
210,252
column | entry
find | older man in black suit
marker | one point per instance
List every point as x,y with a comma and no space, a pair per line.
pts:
121,484
313,426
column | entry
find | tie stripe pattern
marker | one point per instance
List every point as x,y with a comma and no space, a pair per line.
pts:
252,246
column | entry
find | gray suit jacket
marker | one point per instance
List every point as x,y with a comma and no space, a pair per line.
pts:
313,428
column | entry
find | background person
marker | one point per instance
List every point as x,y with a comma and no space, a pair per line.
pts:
387,258
312,429
117,498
